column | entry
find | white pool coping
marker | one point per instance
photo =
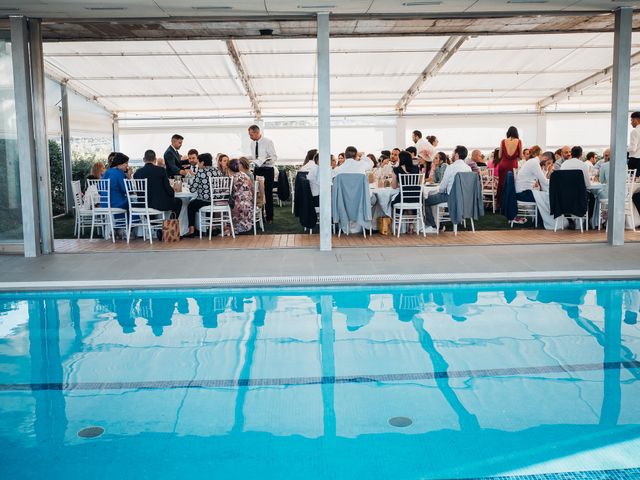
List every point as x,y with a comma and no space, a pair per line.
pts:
323,280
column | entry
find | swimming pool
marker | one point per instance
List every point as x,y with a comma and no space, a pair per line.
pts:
406,382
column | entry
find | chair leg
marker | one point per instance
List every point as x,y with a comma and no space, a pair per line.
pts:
233,234
211,222
150,231
129,231
399,224
113,233
473,227
455,229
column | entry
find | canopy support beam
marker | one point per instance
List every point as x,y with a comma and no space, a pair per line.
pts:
621,73
324,130
442,57
66,148
591,81
244,78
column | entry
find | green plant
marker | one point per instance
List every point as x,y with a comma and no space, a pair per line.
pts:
56,173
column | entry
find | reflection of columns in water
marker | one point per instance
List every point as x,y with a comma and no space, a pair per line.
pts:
440,367
327,338
244,372
611,396
46,368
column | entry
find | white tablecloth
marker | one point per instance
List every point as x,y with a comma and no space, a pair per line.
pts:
183,219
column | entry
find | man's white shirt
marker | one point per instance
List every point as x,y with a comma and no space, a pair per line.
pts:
266,152
352,165
634,142
450,175
577,164
528,174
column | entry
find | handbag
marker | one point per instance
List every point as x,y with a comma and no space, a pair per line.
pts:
384,225
171,229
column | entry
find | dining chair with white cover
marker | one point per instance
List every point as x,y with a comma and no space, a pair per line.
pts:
103,214
219,212
411,194
83,215
141,215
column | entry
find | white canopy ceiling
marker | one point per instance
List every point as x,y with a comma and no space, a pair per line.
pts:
368,75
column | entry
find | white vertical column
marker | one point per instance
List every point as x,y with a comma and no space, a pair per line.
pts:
324,130
541,131
25,134
401,132
115,125
619,114
66,147
41,140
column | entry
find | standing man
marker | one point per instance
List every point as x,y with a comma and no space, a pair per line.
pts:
264,157
172,158
424,150
634,144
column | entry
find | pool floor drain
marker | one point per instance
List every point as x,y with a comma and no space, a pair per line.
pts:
400,421
91,432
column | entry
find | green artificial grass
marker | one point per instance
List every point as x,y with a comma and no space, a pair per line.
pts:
285,222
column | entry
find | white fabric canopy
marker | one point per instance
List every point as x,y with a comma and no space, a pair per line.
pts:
501,73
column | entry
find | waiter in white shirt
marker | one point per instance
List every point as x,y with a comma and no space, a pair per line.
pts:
633,161
264,157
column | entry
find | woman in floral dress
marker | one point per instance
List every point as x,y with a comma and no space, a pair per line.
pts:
242,193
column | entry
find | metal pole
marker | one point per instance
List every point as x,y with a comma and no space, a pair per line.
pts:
66,148
41,141
619,113
25,135
116,133
324,130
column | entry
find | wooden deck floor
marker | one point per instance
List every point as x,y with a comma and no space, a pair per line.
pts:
501,237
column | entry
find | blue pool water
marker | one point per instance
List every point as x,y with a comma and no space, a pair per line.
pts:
526,380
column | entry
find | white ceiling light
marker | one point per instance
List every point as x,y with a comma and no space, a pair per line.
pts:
317,7
421,4
213,8
105,8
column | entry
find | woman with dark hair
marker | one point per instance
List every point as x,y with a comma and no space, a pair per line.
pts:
439,167
308,160
510,153
242,193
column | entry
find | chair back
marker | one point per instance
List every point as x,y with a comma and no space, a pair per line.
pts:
103,189
568,193
411,187
220,188
350,200
136,193
77,194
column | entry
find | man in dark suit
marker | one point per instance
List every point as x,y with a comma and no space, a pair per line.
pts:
160,194
172,158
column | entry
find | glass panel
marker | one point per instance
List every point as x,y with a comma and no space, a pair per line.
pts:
10,210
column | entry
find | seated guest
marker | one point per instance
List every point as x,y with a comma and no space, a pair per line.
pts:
245,167
110,158
458,165
576,163
200,186
414,154
439,167
370,159
405,166
564,155
351,165
340,159
394,157
493,162
223,164
97,170
603,174
160,163
476,156
242,192
471,161
192,158
532,175
596,168
314,180
116,175
160,194
309,163
591,162
334,162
